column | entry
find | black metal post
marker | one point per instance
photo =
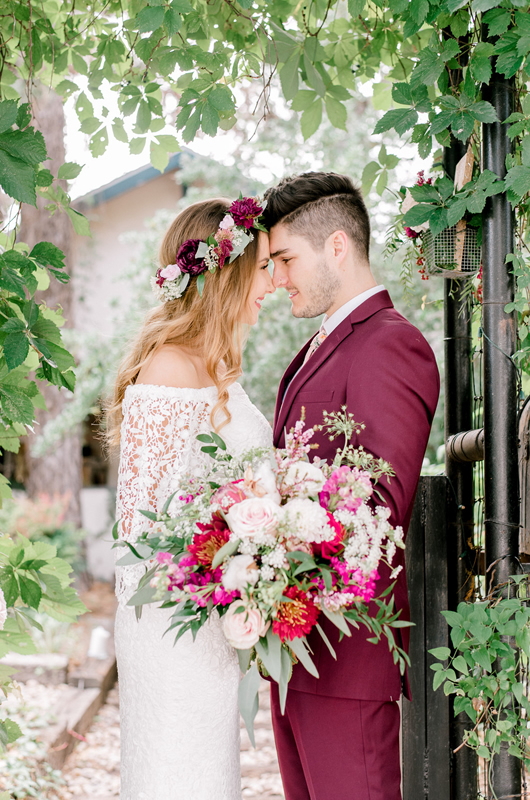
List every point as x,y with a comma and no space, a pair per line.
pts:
501,487
459,417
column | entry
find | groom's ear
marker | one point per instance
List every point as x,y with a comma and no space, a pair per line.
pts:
338,246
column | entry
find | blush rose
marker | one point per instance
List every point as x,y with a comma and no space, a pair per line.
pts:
243,629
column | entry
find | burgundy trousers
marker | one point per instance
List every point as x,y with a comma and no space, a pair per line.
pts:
331,748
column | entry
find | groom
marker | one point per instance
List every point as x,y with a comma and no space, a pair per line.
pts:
339,737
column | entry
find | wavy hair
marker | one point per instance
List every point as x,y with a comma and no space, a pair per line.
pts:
211,323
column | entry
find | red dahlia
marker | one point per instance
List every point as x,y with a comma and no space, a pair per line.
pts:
295,618
205,545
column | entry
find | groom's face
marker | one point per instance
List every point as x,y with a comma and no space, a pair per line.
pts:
303,272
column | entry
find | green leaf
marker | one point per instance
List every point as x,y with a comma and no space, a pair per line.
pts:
16,349
419,214
369,175
460,664
60,357
158,156
18,179
483,112
172,21
402,119
209,119
200,283
79,221
149,19
482,658
518,180
68,171
8,114
439,678
337,619
313,77
99,142
269,652
225,551
441,653
136,146
16,406
497,21
311,119
28,145
289,76
30,592
481,69
48,255
249,699
299,648
182,6
221,98
337,113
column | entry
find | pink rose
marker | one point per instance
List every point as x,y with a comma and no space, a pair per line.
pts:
252,516
226,223
243,628
170,272
229,494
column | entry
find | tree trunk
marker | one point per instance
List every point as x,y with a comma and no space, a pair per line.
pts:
59,470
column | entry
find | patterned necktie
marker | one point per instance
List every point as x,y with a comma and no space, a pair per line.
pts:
315,344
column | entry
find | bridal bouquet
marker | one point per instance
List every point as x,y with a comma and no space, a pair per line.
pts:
272,542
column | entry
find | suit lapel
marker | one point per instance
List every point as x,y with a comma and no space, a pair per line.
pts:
285,398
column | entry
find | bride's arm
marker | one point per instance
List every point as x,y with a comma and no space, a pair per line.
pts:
158,448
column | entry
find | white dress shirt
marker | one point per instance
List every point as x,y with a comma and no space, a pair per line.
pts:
330,323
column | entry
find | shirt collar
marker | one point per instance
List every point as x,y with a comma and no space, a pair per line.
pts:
330,323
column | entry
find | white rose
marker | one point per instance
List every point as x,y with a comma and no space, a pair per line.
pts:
309,477
266,477
253,516
241,571
308,520
243,628
3,610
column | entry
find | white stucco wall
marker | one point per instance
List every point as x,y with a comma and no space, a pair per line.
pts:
100,260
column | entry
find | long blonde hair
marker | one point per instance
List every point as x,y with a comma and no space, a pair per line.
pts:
211,323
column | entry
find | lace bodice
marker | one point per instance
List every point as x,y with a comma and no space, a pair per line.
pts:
159,447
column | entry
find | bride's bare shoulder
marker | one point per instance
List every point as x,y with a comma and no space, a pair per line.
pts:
171,365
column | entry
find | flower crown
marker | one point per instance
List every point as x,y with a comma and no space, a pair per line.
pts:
196,257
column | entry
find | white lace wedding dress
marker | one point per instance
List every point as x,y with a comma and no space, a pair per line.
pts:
178,703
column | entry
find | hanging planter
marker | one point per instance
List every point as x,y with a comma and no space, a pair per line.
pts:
453,253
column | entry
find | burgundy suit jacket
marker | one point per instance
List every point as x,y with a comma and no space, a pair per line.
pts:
381,368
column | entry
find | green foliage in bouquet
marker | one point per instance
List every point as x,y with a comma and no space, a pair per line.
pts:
32,579
487,670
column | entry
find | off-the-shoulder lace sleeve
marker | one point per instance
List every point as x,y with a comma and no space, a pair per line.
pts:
158,448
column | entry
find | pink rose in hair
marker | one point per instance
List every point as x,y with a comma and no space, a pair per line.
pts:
170,272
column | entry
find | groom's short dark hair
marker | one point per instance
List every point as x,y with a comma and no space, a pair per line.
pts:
315,204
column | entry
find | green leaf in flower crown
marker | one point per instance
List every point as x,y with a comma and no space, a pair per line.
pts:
248,695
200,283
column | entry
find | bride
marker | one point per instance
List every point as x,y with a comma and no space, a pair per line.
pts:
178,703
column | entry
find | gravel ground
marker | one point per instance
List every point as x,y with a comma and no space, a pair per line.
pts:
93,769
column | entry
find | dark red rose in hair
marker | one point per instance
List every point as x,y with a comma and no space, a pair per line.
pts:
245,211
187,259
159,279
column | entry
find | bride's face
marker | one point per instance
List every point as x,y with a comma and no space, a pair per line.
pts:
262,283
